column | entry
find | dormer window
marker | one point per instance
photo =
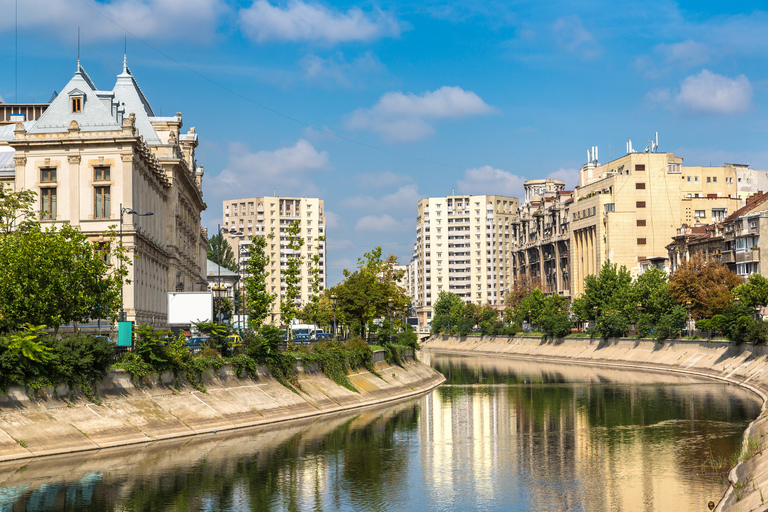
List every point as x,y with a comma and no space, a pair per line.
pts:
76,101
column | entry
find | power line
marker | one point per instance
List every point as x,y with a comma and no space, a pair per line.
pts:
265,107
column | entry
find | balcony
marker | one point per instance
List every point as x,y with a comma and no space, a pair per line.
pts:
747,256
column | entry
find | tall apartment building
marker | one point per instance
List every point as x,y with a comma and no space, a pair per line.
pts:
92,152
628,209
263,216
463,247
541,236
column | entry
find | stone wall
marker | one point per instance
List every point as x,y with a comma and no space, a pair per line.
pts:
163,407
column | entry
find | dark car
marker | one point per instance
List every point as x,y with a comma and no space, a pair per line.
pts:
195,344
324,336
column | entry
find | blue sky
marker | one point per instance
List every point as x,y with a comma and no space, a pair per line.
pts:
374,105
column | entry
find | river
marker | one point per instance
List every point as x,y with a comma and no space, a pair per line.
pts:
500,434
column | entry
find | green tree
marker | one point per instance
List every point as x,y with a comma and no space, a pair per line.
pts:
289,306
446,312
554,319
220,252
16,210
609,290
534,303
754,292
258,300
364,294
56,276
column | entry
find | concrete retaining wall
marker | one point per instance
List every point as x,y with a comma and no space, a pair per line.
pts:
163,408
746,366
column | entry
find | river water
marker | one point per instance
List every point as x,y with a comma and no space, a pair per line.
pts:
499,435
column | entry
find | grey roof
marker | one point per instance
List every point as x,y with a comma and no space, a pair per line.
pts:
213,270
7,165
101,110
6,131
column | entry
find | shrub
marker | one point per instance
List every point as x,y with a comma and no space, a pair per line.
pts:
408,338
557,325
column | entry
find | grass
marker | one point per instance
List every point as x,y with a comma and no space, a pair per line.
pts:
22,443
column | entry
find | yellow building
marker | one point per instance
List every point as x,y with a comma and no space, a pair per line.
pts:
262,216
628,210
462,247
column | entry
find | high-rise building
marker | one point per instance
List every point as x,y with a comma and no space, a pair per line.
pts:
96,157
273,216
463,247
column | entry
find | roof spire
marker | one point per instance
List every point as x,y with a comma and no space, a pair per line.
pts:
78,48
125,54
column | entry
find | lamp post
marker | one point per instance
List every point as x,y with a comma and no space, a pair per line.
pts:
594,310
123,211
334,298
231,231
688,308
530,329
389,303
639,312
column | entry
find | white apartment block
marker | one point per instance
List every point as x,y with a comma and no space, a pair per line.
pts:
262,216
463,246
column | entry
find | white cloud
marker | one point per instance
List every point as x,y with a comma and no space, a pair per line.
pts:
686,53
574,38
155,19
383,224
708,92
300,21
336,70
332,219
404,117
341,264
568,176
405,198
286,169
488,180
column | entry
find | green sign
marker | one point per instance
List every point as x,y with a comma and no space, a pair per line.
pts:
124,334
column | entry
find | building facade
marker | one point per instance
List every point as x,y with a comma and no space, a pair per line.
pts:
541,236
628,210
463,247
95,156
272,217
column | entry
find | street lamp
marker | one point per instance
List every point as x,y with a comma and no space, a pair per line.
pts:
389,303
639,312
594,310
688,308
123,211
334,299
529,321
230,231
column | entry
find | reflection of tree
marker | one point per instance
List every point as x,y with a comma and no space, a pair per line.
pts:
358,462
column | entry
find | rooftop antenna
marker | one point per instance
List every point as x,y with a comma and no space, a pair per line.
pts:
16,57
78,48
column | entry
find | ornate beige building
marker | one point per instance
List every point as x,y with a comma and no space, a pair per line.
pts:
263,216
93,152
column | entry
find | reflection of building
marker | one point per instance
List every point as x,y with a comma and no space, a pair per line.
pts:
92,152
462,247
541,236
272,216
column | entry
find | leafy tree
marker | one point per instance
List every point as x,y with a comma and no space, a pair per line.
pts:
534,303
258,300
522,287
650,290
670,324
706,284
446,312
365,293
220,252
754,292
311,311
289,306
16,212
554,319
609,290
56,276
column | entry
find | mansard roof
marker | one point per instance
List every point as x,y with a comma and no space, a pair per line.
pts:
100,110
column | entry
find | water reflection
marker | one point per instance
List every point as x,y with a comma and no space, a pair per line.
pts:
500,435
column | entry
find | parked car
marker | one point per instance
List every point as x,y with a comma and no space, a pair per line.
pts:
195,344
324,335
234,341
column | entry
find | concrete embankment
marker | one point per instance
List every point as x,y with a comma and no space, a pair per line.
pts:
744,365
162,409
